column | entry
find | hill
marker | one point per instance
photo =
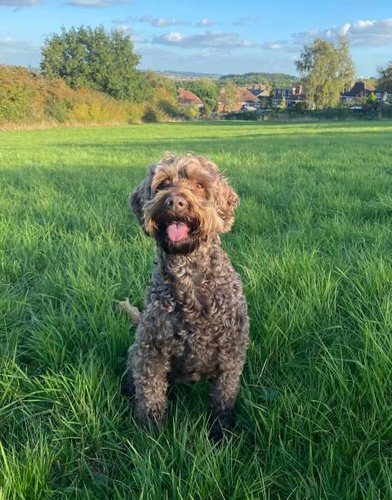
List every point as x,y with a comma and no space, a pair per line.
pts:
273,79
188,75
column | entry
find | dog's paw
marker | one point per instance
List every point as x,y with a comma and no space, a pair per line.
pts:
222,424
133,313
128,385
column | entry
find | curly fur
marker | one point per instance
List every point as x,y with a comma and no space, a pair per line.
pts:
194,324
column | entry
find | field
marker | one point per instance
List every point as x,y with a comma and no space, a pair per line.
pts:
312,242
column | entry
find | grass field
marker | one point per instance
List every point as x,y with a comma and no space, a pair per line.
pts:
312,242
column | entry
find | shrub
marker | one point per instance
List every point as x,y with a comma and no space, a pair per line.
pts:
190,112
165,102
91,106
19,92
153,114
27,97
59,100
242,115
135,111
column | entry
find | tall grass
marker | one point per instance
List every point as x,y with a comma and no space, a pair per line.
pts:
312,243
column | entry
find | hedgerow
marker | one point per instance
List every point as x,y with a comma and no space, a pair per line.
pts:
29,99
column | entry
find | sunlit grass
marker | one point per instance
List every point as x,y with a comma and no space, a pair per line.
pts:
312,242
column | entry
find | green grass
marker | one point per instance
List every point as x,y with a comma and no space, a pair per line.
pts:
312,241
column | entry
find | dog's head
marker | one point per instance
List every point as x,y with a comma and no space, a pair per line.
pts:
183,201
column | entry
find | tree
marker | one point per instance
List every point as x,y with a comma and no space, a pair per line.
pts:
283,104
371,99
384,83
95,59
228,95
327,70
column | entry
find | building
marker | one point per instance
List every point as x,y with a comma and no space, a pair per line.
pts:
360,91
259,90
187,98
243,100
291,95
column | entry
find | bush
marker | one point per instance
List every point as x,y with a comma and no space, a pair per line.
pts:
59,100
243,115
166,102
153,114
28,98
190,112
135,111
92,106
20,92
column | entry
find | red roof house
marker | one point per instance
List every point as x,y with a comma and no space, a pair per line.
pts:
186,97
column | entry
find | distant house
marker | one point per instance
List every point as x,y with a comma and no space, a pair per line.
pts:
360,91
292,95
244,100
259,90
186,98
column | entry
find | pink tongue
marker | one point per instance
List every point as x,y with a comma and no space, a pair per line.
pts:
177,231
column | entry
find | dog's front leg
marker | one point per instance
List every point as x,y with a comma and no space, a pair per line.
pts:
149,371
224,390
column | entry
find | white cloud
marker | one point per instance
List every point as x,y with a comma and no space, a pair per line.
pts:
5,41
373,33
217,40
19,52
212,62
10,44
128,31
362,33
173,37
19,3
160,22
274,45
205,23
97,3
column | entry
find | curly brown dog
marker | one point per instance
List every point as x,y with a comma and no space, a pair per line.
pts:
194,324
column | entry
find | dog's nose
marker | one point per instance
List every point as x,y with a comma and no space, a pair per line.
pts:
177,203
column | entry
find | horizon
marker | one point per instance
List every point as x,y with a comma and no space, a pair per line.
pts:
206,39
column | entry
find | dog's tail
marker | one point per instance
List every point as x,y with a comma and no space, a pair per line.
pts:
132,312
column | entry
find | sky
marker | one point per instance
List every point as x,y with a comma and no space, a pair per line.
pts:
206,36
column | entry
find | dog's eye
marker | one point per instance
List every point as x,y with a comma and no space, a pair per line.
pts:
199,185
162,185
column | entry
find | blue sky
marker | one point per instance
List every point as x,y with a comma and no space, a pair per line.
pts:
206,36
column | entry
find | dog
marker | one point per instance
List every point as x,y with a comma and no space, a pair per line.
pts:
195,322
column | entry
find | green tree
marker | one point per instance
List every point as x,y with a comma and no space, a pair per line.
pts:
384,83
327,70
228,95
283,104
93,58
371,99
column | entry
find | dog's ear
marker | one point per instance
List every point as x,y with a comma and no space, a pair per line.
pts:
142,194
227,201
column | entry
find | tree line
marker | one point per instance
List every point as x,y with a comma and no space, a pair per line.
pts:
80,63
93,58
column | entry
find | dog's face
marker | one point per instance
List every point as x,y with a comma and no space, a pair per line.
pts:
183,201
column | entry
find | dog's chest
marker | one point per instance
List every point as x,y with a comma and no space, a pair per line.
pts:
194,354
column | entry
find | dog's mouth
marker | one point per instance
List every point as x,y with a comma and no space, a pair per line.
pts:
177,231
178,236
